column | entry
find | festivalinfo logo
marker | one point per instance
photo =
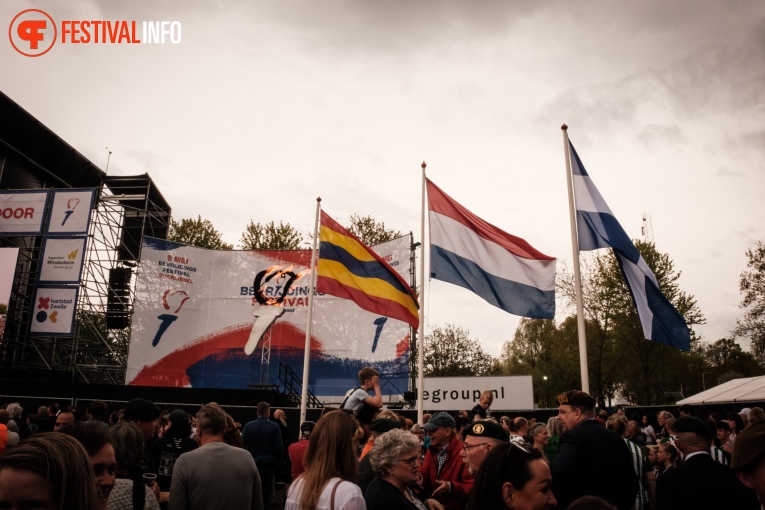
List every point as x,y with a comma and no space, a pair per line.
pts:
34,32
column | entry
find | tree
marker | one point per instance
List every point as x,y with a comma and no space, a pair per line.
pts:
725,355
197,232
269,236
752,286
449,351
623,358
370,231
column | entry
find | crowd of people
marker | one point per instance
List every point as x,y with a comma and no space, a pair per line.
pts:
142,457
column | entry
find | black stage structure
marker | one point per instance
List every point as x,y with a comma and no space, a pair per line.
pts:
91,363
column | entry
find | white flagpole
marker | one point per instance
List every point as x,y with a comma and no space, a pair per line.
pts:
577,275
309,321
421,329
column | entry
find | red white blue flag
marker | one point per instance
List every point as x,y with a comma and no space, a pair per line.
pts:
503,269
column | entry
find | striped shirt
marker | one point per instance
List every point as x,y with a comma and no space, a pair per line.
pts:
640,465
720,455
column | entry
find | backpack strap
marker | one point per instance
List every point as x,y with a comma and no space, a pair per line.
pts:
342,406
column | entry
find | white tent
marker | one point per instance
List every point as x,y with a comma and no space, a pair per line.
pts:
748,389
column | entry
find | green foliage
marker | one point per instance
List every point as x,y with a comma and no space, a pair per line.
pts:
269,236
197,232
370,231
752,286
449,351
725,355
620,359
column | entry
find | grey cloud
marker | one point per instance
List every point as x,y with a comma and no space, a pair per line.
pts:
656,135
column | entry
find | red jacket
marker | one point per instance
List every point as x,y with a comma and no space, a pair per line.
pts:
454,470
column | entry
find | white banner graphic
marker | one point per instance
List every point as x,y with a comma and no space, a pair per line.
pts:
53,312
70,211
457,393
62,260
203,318
22,212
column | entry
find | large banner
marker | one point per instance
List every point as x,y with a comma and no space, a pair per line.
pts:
62,260
22,212
201,318
53,312
70,211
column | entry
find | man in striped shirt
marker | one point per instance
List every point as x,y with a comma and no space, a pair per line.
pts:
643,469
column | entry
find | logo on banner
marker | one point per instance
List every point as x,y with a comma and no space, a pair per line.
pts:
43,305
171,300
270,297
71,205
72,255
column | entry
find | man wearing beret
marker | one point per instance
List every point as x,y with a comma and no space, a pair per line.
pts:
700,482
144,414
479,439
592,461
749,459
445,476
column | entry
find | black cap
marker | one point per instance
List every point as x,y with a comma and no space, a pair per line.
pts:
486,428
384,425
178,416
693,424
140,409
306,428
439,420
576,398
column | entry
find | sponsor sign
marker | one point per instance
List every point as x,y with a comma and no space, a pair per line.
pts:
202,319
62,260
22,212
53,311
457,393
70,212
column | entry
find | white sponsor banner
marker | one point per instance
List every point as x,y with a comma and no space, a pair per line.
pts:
70,211
22,212
201,318
456,393
53,312
62,260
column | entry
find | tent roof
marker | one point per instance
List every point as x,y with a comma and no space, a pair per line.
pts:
748,389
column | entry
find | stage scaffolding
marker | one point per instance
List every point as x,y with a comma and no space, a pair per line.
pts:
125,209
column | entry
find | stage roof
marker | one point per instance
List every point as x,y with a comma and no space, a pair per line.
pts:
52,161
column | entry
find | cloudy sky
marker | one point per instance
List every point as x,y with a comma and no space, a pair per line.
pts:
266,105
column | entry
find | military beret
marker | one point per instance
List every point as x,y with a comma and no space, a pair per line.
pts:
693,424
576,398
749,447
384,425
140,409
486,428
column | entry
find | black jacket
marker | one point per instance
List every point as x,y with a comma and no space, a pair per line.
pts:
593,461
702,483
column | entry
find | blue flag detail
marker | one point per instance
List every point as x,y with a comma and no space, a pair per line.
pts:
598,228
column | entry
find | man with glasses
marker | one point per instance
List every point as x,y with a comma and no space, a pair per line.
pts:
479,439
445,476
592,461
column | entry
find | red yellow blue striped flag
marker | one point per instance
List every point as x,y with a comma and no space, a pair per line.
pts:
350,269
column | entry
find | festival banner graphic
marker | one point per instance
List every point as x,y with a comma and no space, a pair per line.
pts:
22,212
62,260
70,211
53,312
202,319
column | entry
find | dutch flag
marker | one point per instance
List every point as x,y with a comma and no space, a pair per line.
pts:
503,269
598,228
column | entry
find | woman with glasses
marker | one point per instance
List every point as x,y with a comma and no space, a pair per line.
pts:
395,460
331,466
514,475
